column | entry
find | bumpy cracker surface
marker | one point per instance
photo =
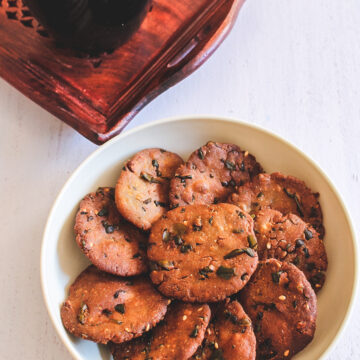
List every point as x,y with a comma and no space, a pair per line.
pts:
202,253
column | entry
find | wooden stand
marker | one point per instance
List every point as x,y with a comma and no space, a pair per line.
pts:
99,96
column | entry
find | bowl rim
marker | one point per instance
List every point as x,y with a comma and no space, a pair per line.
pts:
188,118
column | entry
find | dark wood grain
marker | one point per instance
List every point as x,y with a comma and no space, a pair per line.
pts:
99,96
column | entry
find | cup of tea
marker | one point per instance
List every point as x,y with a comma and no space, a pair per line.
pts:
91,26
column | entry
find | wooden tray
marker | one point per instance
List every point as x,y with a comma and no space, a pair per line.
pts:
99,96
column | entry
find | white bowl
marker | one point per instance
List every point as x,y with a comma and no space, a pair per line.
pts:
62,261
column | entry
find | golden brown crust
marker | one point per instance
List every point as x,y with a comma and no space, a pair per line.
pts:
229,336
201,253
211,174
288,238
286,194
282,306
111,244
103,307
176,338
142,189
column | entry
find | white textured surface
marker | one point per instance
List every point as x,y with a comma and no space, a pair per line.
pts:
291,66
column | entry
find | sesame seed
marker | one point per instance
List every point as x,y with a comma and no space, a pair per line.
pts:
184,317
268,246
127,330
147,327
246,153
286,353
212,267
200,309
169,302
208,331
216,345
282,297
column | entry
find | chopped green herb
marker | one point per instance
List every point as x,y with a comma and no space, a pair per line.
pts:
149,178
306,252
276,276
155,163
201,154
195,332
238,231
216,355
225,272
183,177
294,303
197,227
147,201
260,194
205,271
299,243
235,320
108,228
120,308
211,220
244,276
252,241
230,165
137,255
240,214
116,295
296,199
103,212
179,228
236,252
178,240
308,234
185,248
159,203
107,312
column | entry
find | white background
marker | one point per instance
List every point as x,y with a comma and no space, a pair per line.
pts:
292,66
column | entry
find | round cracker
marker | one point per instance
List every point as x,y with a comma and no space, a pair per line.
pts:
229,336
176,338
286,194
201,253
142,189
102,307
282,306
110,243
288,238
211,174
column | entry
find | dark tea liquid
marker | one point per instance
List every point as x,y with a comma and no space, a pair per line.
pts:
92,26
